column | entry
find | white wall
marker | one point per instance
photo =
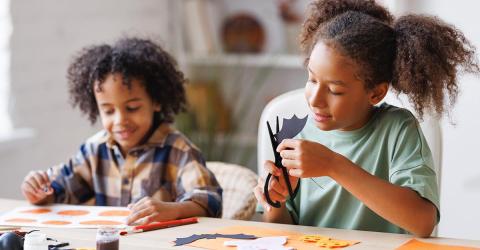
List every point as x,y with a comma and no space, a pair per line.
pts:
460,191
45,36
460,180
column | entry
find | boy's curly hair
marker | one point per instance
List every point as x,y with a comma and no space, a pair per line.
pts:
419,55
133,58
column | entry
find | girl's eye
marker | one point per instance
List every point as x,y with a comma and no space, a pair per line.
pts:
131,109
335,93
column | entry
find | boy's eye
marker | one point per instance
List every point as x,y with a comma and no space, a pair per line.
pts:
108,111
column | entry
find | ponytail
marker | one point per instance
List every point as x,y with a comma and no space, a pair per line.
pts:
429,54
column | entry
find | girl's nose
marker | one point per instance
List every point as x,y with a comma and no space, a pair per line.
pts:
317,97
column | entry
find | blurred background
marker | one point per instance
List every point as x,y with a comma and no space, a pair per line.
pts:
237,55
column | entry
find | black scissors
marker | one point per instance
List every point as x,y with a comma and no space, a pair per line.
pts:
290,128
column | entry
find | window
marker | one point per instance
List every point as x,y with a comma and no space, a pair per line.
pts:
6,29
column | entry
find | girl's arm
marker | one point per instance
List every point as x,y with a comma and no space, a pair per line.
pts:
400,205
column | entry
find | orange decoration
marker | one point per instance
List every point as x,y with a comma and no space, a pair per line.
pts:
422,245
101,222
20,220
115,213
38,211
73,212
56,222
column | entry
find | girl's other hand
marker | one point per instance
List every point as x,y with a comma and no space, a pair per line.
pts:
36,187
277,187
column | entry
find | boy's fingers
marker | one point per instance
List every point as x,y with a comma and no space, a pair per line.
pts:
258,192
139,214
40,182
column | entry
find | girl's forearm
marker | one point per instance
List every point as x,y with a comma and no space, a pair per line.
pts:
278,215
400,205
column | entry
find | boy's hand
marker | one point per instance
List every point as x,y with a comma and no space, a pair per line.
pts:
307,159
148,210
277,187
36,187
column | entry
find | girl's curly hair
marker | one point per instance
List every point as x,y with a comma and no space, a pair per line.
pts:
418,55
133,58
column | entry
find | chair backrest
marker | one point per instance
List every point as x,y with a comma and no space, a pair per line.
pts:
294,102
237,183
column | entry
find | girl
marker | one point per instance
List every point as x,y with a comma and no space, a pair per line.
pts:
361,166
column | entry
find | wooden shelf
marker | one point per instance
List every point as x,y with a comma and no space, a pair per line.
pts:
261,60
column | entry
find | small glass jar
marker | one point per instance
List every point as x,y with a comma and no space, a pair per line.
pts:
108,238
35,241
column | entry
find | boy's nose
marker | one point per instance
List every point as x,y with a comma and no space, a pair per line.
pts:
120,118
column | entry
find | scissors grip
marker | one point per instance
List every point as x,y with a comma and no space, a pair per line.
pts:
267,195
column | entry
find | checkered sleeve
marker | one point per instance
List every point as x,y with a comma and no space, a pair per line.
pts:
196,183
72,182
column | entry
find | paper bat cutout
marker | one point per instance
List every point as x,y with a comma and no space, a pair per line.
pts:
195,237
290,128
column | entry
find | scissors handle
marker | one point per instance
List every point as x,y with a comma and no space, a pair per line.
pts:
267,195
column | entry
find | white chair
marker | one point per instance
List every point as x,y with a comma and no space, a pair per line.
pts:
294,102
237,183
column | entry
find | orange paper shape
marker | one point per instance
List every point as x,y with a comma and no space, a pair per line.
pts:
38,211
56,222
420,245
294,239
115,213
101,222
73,212
20,220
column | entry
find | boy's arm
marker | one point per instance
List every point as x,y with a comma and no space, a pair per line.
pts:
72,182
196,184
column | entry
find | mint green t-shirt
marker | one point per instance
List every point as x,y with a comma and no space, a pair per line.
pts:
390,146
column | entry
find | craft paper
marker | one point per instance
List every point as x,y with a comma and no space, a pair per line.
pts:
195,237
66,216
420,245
294,239
265,243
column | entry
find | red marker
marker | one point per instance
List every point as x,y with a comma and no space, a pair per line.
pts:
159,225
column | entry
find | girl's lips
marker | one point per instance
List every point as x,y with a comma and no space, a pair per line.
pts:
321,118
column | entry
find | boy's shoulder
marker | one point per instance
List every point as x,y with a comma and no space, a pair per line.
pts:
166,135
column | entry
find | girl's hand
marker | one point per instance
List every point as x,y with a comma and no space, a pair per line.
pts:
277,187
148,210
36,187
307,159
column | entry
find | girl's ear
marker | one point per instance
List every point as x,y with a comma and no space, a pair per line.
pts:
378,92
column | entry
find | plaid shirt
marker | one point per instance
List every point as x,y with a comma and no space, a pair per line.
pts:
168,167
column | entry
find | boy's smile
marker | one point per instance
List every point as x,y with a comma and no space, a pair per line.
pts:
126,114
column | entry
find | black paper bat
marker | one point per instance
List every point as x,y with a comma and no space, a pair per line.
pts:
290,128
195,237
